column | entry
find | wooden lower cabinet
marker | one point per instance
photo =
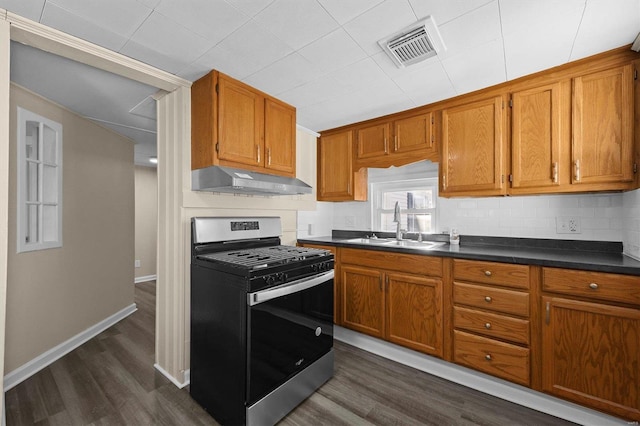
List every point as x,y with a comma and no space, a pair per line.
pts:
414,312
406,309
591,355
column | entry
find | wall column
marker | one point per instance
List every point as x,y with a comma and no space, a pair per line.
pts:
4,188
174,130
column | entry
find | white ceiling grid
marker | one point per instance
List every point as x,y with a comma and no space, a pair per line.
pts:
322,56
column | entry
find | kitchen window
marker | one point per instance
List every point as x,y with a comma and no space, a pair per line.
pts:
417,200
39,197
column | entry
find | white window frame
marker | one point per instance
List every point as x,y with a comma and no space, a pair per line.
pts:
378,188
49,194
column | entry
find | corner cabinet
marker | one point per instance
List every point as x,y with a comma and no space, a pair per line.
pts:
236,125
473,148
382,300
590,347
337,180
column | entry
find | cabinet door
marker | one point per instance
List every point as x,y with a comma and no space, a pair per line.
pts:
591,355
336,179
536,121
372,141
414,308
603,127
280,137
473,148
362,300
414,134
240,124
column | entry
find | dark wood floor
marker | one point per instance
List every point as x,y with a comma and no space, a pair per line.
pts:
110,380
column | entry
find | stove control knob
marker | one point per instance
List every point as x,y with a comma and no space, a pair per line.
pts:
270,279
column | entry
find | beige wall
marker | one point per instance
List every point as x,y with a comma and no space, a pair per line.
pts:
146,188
52,295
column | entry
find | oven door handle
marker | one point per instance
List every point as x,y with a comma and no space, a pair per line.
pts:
288,288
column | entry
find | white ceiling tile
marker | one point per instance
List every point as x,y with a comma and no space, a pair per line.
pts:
389,67
62,20
213,20
167,39
120,16
313,92
427,84
246,51
152,57
29,9
476,68
445,11
297,22
471,30
150,3
606,24
285,74
250,7
360,73
383,20
538,35
333,51
344,11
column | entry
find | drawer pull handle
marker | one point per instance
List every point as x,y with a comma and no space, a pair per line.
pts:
487,326
487,357
593,286
487,273
487,299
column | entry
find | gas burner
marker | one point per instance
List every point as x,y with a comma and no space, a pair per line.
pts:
262,257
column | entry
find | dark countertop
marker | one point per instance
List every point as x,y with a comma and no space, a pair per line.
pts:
584,255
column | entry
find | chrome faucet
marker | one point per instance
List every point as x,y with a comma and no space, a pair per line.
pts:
396,218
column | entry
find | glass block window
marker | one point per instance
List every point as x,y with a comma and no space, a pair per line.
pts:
39,200
417,200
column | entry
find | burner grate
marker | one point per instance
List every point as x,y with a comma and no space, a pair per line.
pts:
263,257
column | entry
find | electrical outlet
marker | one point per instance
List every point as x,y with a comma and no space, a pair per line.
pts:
137,263
350,221
568,225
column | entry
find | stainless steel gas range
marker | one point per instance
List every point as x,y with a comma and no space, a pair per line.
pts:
261,320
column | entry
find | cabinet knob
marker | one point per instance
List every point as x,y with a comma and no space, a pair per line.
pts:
593,286
487,273
488,299
487,326
487,357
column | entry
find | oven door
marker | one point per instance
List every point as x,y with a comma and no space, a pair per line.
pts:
290,327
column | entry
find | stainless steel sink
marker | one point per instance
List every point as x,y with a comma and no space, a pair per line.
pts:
412,244
421,245
376,241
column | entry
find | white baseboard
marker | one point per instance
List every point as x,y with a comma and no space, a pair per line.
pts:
145,278
171,378
478,381
27,370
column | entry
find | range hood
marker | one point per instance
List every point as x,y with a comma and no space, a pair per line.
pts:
238,181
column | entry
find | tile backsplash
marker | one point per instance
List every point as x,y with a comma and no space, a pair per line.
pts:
598,216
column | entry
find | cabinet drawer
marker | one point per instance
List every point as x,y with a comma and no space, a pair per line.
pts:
493,299
499,359
596,285
494,325
416,264
503,274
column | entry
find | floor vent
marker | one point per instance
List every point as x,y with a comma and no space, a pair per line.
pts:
414,44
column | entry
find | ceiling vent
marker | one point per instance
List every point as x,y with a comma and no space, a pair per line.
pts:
414,44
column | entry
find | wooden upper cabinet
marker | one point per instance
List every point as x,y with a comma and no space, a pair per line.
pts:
337,180
473,148
236,125
240,123
280,137
396,142
415,133
540,138
372,141
603,127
